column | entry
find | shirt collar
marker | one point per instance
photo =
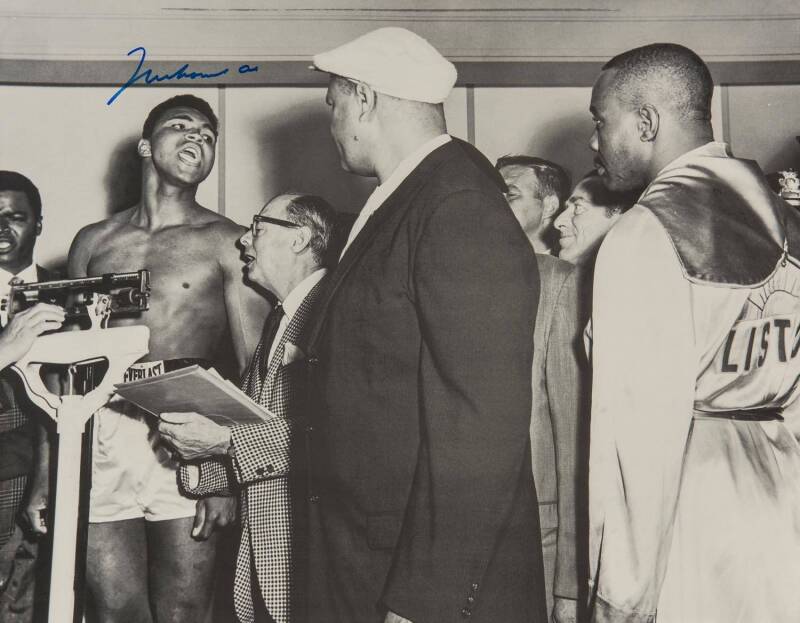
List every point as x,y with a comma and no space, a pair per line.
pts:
29,274
382,192
296,297
409,163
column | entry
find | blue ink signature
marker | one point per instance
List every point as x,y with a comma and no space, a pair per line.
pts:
182,73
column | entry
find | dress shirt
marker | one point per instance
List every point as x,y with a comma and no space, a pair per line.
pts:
29,274
290,304
382,192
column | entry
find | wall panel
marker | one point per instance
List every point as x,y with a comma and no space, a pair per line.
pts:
552,123
278,138
764,121
81,153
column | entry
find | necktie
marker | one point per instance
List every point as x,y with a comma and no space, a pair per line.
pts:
14,281
267,336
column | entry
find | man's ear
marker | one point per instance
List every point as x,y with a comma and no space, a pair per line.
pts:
144,148
38,225
649,120
367,98
302,239
550,205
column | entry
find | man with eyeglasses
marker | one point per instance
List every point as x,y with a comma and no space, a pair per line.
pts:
286,251
151,551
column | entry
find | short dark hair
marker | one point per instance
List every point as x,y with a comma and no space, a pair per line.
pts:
672,72
179,101
16,182
613,201
553,178
318,215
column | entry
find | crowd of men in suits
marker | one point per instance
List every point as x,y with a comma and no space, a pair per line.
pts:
433,372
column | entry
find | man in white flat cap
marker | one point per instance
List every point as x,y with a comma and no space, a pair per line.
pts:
422,505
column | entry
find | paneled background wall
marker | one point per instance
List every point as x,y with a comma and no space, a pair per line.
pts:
525,73
82,153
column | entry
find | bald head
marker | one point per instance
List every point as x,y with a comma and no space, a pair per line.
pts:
667,75
650,105
374,131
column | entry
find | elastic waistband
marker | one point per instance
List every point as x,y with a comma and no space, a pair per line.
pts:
770,414
146,369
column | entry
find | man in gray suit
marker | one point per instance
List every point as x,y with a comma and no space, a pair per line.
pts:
537,188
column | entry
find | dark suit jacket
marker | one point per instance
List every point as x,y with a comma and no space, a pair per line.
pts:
560,411
423,500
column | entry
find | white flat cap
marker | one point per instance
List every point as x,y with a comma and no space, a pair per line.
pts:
394,61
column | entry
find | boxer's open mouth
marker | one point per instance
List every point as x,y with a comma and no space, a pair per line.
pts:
191,155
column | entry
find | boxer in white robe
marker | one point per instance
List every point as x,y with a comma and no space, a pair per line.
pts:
694,471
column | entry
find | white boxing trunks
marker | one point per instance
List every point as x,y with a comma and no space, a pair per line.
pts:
133,474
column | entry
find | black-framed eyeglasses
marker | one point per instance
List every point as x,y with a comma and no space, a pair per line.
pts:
259,218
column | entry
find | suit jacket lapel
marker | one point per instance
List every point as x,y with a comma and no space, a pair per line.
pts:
291,334
350,259
42,274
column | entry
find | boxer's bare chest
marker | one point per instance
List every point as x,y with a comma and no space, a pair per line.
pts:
187,314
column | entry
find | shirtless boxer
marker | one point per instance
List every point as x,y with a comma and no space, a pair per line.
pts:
148,557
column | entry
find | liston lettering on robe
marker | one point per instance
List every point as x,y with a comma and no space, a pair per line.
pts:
750,343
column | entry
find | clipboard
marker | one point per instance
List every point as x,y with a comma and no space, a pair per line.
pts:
195,389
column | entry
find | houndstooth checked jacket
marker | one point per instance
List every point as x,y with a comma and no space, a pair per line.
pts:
17,448
259,472
16,441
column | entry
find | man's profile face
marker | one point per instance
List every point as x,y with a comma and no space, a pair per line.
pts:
344,123
267,252
18,230
583,223
619,150
523,196
183,145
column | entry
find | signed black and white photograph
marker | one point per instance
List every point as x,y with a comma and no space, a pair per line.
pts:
360,311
